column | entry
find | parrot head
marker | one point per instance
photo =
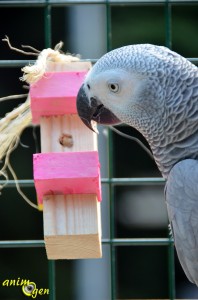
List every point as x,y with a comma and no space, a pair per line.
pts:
120,89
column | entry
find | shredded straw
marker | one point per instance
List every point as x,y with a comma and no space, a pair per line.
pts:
35,72
14,122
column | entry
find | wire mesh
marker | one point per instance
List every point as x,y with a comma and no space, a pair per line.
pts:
113,242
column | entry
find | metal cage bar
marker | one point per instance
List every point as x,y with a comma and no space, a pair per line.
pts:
171,273
52,279
59,3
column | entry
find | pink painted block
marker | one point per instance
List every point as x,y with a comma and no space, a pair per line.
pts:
67,173
55,94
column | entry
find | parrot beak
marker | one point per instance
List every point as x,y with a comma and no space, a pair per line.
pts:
93,110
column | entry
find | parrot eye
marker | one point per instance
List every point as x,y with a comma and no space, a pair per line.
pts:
114,87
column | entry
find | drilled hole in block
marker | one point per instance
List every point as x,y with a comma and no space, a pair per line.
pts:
66,140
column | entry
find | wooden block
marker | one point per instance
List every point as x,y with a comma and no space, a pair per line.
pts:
72,226
83,139
55,94
67,173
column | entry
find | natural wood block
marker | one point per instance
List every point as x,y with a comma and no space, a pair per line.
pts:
72,226
67,173
55,94
53,128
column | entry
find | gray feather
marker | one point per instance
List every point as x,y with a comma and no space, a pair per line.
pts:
182,205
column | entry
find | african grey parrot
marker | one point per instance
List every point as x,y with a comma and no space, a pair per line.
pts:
155,90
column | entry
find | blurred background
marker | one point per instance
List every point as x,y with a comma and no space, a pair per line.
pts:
128,210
